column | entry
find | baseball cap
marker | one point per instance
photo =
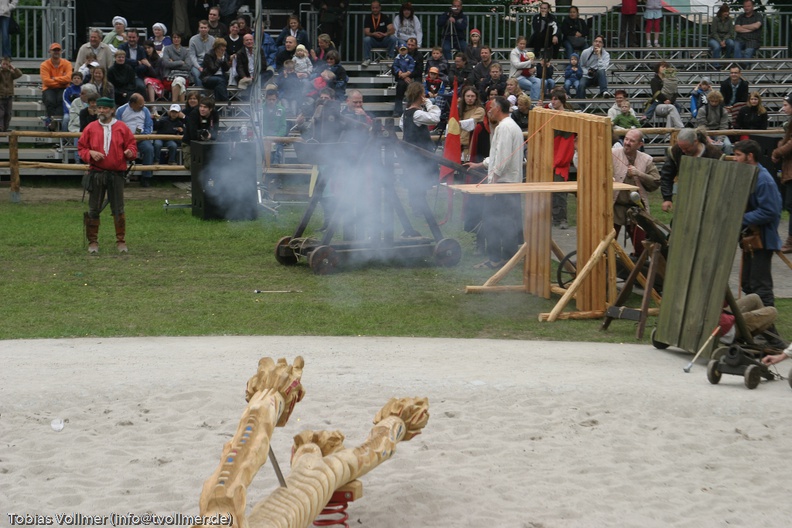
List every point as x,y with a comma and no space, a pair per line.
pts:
55,46
94,64
402,47
174,108
434,69
706,80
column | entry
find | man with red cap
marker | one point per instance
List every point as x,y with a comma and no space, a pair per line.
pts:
106,145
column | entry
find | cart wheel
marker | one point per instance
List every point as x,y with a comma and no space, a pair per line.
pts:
753,376
789,377
657,344
567,270
447,253
323,260
719,352
284,254
713,374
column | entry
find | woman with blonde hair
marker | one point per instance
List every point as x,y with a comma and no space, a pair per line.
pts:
324,45
752,116
99,79
715,116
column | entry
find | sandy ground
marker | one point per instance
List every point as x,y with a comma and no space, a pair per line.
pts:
521,434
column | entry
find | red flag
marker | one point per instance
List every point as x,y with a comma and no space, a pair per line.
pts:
452,150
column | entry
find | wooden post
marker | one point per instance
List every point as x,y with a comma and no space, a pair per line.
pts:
13,158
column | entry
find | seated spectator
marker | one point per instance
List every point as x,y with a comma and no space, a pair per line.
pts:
274,124
594,62
123,77
473,49
626,117
56,75
244,26
137,118
199,46
406,25
572,75
215,70
87,67
115,38
378,32
436,60
494,81
323,45
294,29
176,67
326,79
734,90
664,93
136,57
433,86
619,97
545,70
482,68
512,93
520,114
752,116
88,114
699,96
233,40
216,28
70,94
290,88
245,63
161,38
101,51
191,103
403,68
103,87
714,116
341,77
721,37
153,73
748,28
169,124
303,66
78,105
461,72
415,53
574,33
522,68
270,50
287,53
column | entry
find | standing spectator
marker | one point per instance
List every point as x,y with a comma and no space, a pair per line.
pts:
102,52
216,28
734,90
699,96
690,142
748,28
137,118
653,14
118,36
764,214
572,75
378,32
6,7
522,68
106,145
473,50
574,32
403,68
628,36
594,62
161,38
544,33
406,25
8,73
55,77
215,70
294,29
169,124
783,154
453,27
563,154
752,116
199,46
721,38
122,76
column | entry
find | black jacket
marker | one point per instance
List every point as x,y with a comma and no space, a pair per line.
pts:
726,91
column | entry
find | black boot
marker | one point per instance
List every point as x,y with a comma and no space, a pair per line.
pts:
774,340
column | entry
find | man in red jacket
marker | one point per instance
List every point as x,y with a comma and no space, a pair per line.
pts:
106,145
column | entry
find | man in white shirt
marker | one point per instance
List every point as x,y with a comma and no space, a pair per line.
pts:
104,55
502,224
137,117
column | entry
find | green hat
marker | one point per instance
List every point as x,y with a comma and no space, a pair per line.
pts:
106,102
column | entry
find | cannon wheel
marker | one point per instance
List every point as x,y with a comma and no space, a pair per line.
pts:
323,260
753,376
285,260
790,378
565,277
655,343
447,253
713,374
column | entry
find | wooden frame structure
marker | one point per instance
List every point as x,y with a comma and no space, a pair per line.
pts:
594,286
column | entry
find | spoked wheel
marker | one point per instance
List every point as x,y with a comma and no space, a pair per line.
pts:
655,343
567,270
713,374
284,254
753,375
447,253
323,260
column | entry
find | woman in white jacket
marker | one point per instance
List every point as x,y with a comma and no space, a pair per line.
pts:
522,68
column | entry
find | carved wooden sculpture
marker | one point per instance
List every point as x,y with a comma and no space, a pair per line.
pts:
320,462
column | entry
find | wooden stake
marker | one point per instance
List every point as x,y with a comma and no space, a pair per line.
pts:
13,159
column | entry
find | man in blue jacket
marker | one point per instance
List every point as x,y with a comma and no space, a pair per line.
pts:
137,117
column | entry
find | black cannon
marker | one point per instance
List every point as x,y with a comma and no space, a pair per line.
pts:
739,362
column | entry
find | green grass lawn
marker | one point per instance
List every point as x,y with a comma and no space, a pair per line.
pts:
185,276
